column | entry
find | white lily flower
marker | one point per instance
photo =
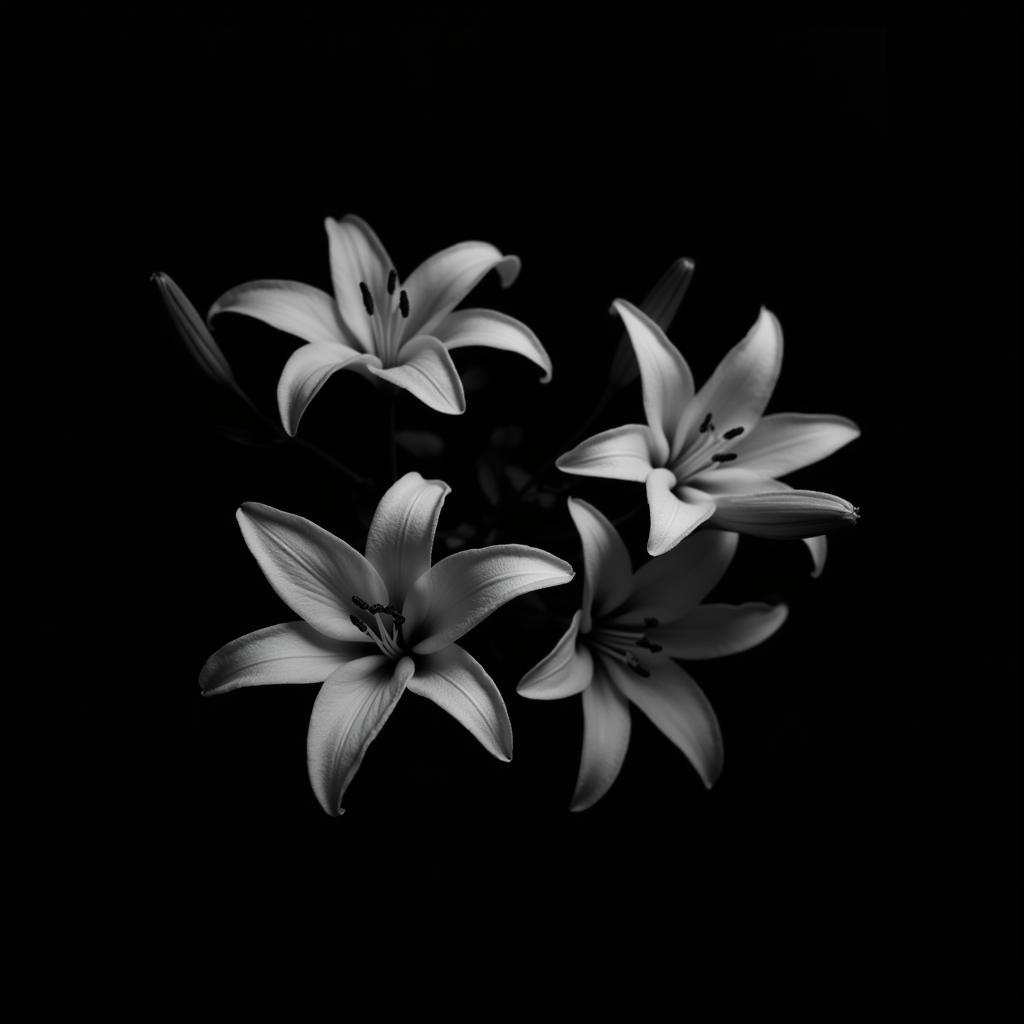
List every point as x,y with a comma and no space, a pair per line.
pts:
619,648
376,626
711,456
401,332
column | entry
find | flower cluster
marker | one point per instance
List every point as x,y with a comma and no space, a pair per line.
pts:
372,626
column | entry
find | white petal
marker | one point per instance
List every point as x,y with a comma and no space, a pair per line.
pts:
606,728
622,453
401,535
441,282
485,327
671,518
455,681
737,392
679,708
818,547
292,652
357,256
607,571
667,380
463,589
780,514
568,669
313,572
715,630
728,480
306,372
295,308
428,372
669,586
787,441
350,709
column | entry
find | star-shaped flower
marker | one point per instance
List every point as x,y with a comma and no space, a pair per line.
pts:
711,456
376,626
619,648
399,331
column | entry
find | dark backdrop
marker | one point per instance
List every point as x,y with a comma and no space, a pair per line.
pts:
855,789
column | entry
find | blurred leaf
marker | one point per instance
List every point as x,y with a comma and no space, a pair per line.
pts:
518,477
487,475
424,444
507,437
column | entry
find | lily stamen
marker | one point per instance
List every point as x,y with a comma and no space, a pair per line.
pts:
367,298
403,303
392,280
389,641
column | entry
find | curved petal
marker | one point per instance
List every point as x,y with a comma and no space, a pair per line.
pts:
290,306
568,669
669,586
443,280
426,369
715,630
312,571
485,327
456,682
308,369
671,518
401,535
622,453
606,729
737,392
728,480
667,380
292,652
350,709
679,708
780,514
607,571
357,257
787,441
450,598
818,547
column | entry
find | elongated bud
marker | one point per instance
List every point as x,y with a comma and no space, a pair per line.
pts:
661,305
783,514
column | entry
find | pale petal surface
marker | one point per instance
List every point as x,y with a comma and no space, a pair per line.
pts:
401,535
467,327
308,369
622,453
717,630
426,370
787,441
455,681
568,669
350,709
311,570
818,548
606,730
357,256
672,519
789,513
464,588
607,569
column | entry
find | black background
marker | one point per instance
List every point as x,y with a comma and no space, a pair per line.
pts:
866,814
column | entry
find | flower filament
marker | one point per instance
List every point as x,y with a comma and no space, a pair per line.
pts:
702,455
386,327
614,641
388,640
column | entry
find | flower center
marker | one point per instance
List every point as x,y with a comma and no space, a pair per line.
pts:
617,642
387,326
389,640
703,454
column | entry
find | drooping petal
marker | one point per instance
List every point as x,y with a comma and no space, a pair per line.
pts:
672,519
669,586
426,370
313,572
568,669
737,392
818,547
622,453
292,307
401,535
467,327
292,652
350,709
715,630
455,681
358,257
607,571
606,729
780,514
784,442
451,597
678,707
443,280
667,380
308,369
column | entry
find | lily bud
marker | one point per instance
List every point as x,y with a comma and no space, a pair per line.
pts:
783,514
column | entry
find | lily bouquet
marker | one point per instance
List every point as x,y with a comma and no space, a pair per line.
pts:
384,611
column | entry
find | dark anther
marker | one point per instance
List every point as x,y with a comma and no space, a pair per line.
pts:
724,458
367,298
641,671
376,609
644,642
735,432
395,614
360,603
650,623
403,304
358,623
392,281
705,425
